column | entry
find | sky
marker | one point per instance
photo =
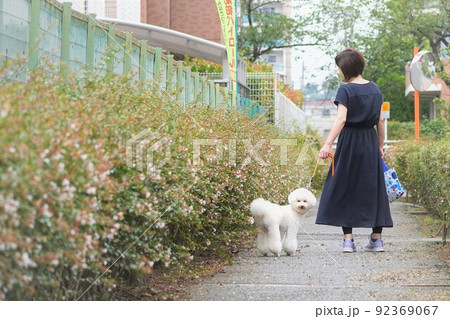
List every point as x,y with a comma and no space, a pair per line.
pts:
312,57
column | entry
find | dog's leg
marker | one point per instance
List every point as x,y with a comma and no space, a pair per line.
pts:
262,243
274,239
290,242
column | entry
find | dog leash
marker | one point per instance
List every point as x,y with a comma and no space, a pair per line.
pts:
308,187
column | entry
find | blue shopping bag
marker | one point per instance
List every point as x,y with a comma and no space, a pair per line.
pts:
393,187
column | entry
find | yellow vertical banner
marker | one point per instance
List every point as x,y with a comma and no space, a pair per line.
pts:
227,17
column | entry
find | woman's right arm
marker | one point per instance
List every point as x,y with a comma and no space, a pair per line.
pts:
335,131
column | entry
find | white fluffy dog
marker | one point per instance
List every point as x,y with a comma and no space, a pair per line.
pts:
279,224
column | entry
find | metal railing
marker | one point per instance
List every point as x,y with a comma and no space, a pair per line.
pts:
46,28
279,109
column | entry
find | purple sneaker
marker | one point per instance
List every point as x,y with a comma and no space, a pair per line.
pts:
375,246
348,246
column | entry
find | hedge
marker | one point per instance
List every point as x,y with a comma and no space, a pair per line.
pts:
436,129
76,221
424,170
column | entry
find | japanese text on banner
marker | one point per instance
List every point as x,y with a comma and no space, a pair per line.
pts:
226,10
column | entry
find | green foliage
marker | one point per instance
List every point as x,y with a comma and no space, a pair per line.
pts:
393,29
400,130
265,30
423,169
71,210
392,85
334,22
440,68
437,129
443,110
259,66
202,66
429,130
427,22
269,32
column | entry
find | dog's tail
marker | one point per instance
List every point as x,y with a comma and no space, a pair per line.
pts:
258,207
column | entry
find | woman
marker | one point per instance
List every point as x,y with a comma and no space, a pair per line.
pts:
356,195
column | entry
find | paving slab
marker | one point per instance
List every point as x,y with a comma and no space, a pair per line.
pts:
409,269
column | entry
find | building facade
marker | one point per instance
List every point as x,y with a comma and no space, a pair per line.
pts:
128,10
195,17
79,5
280,59
321,115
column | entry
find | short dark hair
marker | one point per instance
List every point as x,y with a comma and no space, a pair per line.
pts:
351,62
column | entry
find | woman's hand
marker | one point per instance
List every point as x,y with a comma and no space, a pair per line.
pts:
323,153
381,151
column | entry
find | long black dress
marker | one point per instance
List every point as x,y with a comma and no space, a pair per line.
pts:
356,195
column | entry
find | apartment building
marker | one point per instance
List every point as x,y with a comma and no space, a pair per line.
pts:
128,10
195,17
321,115
280,59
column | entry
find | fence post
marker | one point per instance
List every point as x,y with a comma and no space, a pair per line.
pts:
127,54
157,65
205,97
111,46
276,103
212,93
180,81
188,85
33,44
218,93
196,84
233,99
65,35
143,61
90,44
169,72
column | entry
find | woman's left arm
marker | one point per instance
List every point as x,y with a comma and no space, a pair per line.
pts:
380,131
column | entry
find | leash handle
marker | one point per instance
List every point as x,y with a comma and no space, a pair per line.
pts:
315,169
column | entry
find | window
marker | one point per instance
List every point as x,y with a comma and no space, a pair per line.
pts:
272,58
325,112
267,10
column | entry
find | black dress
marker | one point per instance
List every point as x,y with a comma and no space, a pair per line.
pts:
356,195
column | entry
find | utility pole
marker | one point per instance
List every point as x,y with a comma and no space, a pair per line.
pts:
303,75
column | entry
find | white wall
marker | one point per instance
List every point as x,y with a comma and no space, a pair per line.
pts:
129,10
288,116
97,7
77,5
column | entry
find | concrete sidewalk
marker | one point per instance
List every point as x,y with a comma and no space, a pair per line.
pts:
408,270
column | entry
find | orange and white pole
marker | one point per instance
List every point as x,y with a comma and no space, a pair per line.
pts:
416,107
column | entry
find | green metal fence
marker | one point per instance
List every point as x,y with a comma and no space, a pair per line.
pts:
46,28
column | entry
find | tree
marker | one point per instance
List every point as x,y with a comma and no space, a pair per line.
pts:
400,25
264,31
296,96
392,85
428,22
391,29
